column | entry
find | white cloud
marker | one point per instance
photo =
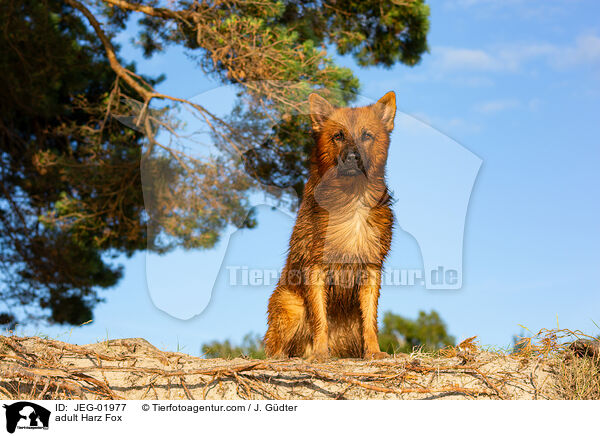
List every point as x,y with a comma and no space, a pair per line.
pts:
494,106
469,3
531,9
449,58
450,126
585,50
500,105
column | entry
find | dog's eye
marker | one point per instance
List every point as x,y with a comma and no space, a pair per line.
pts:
366,136
338,136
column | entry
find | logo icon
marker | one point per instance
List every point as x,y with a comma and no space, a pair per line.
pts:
26,415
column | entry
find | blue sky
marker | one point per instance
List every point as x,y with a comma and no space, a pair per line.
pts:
517,83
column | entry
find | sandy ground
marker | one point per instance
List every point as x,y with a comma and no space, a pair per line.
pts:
34,368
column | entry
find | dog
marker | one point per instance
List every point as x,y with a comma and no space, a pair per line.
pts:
325,303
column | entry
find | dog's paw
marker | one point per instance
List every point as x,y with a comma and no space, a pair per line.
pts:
377,355
319,357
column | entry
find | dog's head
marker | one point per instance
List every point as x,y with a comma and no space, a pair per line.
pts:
352,142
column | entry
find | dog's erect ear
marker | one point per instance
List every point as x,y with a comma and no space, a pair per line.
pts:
386,109
320,110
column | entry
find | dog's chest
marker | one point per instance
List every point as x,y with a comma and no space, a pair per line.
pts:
352,235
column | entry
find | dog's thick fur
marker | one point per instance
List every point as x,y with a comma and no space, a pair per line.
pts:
325,303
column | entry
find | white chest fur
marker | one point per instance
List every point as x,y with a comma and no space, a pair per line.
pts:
350,236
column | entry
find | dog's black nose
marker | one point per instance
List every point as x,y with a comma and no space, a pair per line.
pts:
353,155
351,163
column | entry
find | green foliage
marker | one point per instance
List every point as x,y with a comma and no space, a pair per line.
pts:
402,335
71,193
55,80
374,33
251,346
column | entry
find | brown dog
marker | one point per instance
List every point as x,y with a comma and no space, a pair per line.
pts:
326,300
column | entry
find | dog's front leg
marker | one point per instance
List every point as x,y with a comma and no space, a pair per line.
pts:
317,308
369,296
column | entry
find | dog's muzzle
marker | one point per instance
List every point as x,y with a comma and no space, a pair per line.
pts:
351,163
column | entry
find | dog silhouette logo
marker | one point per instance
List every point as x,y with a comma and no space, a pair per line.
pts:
26,415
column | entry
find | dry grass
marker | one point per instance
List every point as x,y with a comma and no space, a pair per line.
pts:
576,361
547,366
578,378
